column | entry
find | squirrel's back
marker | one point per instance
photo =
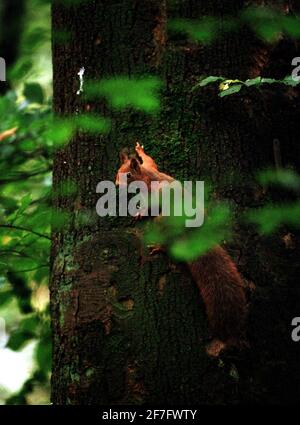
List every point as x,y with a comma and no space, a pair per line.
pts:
223,291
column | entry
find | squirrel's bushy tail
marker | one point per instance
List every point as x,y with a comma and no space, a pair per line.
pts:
223,291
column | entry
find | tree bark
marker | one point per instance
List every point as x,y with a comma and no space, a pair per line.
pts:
129,328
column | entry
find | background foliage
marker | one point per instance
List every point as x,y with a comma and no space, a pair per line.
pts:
25,215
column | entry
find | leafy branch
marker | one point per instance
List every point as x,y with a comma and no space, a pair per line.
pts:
13,227
228,87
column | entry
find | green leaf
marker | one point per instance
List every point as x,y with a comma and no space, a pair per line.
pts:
265,22
292,26
209,80
44,354
253,81
289,81
60,219
18,339
28,145
60,132
5,297
92,124
286,178
232,89
269,81
25,201
139,93
268,31
270,217
36,37
30,324
200,240
20,69
204,30
34,93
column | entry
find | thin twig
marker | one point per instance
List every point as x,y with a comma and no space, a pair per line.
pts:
22,176
9,226
32,270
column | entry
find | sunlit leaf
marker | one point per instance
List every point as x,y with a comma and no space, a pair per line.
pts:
266,22
202,239
60,132
204,30
186,244
267,80
139,93
92,123
5,296
271,217
253,81
235,88
290,81
291,25
20,69
284,177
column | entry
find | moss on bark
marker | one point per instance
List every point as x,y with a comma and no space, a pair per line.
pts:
129,328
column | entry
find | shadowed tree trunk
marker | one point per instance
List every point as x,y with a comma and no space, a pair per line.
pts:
11,18
129,328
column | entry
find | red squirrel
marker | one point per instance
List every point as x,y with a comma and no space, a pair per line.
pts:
221,286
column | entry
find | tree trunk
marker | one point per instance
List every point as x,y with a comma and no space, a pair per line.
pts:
129,328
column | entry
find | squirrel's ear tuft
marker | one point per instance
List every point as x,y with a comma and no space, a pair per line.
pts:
134,165
124,155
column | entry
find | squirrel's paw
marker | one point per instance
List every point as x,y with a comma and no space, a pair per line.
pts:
143,212
155,249
215,347
138,216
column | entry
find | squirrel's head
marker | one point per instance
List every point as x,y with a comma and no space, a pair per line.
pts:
131,165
